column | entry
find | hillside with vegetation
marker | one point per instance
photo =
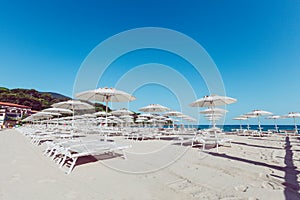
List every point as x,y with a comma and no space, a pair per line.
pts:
35,99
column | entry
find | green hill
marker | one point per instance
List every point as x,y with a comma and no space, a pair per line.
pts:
29,97
35,99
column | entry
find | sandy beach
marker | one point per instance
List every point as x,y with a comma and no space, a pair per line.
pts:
252,168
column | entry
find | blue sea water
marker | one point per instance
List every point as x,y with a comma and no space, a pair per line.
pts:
228,128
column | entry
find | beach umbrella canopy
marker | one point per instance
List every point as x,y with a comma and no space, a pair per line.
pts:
142,118
159,117
214,111
146,115
212,101
126,116
153,108
105,95
172,120
101,113
293,115
73,105
112,117
214,115
40,115
210,118
190,119
259,113
46,114
88,116
122,111
173,113
58,110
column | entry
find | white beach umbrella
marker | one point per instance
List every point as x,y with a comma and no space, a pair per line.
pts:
259,113
88,116
126,117
214,113
173,113
101,113
112,117
159,117
293,115
189,119
47,114
248,116
240,119
105,95
73,105
59,110
212,118
154,108
212,101
122,111
142,118
172,120
146,115
274,117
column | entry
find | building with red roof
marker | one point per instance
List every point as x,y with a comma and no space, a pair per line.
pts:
13,111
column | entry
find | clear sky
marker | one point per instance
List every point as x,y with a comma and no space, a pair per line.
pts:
255,45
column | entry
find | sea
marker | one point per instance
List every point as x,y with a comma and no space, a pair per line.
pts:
228,128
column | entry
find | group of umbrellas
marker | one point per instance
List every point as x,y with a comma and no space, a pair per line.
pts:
258,113
107,95
213,113
152,111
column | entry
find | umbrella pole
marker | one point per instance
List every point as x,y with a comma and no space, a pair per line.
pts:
248,125
296,128
241,125
259,128
106,109
276,127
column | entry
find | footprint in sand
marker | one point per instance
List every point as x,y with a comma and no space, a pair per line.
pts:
241,188
15,178
270,185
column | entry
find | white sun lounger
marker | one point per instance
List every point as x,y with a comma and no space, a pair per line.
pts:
209,140
88,149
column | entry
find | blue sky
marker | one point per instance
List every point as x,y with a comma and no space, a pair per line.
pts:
255,45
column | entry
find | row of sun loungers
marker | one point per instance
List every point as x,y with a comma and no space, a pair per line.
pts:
65,146
65,150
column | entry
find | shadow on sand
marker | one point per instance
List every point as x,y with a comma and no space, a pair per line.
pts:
291,189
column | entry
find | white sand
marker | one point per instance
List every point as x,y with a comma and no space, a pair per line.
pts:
253,168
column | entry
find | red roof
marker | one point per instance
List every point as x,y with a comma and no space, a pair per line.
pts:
13,105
